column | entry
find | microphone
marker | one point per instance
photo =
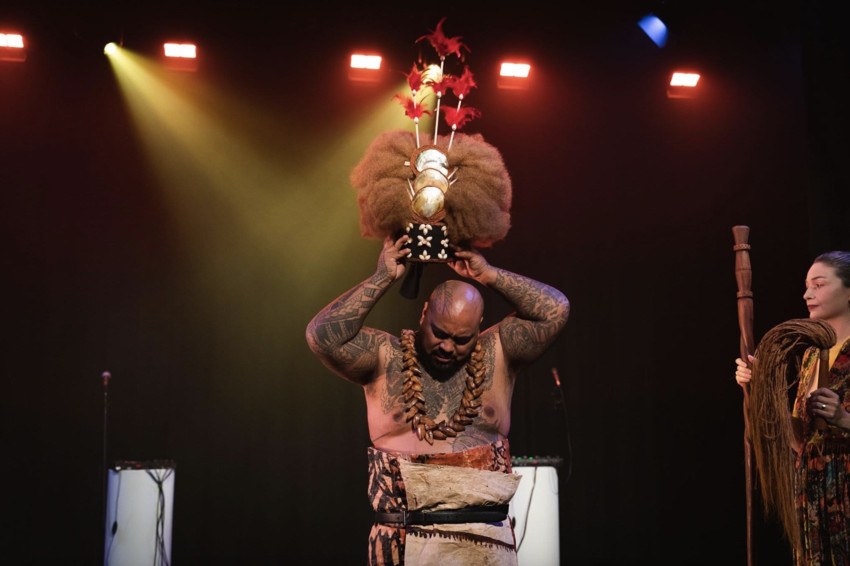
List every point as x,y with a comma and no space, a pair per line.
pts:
106,377
555,375
557,393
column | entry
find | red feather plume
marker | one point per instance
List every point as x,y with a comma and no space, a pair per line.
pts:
457,118
442,86
463,84
411,109
414,78
442,44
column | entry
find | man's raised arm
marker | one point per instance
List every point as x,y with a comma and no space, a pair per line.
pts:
541,310
337,335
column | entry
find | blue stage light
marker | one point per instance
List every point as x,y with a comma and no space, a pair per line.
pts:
654,28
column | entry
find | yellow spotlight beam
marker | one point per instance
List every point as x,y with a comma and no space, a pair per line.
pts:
238,190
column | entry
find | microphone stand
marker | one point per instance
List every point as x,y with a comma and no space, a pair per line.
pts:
560,403
106,376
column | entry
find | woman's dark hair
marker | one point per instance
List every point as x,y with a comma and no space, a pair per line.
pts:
838,260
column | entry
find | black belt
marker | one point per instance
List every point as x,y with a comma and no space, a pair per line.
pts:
476,514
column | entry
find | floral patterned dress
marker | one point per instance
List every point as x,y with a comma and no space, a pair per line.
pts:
822,480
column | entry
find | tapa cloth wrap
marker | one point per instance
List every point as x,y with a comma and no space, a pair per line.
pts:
478,476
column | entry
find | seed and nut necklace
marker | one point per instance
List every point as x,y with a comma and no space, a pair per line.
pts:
414,401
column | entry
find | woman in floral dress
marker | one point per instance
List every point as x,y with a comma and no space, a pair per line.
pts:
822,475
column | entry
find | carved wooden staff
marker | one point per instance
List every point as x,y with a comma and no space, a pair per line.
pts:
743,275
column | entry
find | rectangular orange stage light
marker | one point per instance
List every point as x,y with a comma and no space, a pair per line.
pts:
514,75
683,84
365,67
12,47
180,56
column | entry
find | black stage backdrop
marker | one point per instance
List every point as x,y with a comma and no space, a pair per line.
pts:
190,275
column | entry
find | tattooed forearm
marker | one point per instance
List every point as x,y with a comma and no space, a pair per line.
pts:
341,320
541,313
532,299
336,333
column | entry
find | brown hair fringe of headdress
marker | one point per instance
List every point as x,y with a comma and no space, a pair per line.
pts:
477,205
776,361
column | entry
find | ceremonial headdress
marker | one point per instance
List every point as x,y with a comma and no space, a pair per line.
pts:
440,190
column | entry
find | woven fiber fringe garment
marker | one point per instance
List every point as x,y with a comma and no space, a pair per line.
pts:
777,359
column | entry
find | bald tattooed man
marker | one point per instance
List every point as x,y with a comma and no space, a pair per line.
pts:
438,402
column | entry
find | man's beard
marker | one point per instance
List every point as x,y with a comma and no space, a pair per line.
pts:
437,369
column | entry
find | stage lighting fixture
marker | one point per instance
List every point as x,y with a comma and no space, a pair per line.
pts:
180,56
12,47
110,48
683,84
365,67
514,75
654,28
